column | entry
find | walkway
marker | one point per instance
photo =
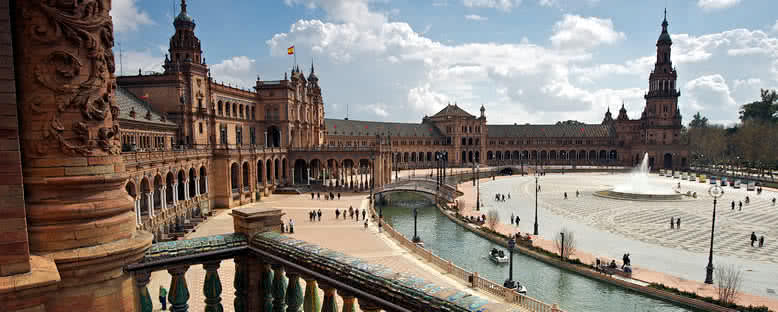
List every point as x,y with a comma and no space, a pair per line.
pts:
612,227
347,236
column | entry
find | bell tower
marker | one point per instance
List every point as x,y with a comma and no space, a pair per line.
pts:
661,117
184,45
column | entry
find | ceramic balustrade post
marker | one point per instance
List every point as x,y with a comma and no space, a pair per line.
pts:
267,288
330,304
279,289
294,292
212,287
240,285
151,204
312,301
349,301
144,298
179,291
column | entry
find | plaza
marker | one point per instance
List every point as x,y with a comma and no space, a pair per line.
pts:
608,228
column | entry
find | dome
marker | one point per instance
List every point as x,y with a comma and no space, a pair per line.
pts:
664,38
183,17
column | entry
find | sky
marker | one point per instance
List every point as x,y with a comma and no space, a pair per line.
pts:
525,61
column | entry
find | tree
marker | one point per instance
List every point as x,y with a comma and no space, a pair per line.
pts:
698,121
763,110
570,123
567,248
492,218
729,279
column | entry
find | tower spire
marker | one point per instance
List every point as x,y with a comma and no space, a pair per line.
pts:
183,6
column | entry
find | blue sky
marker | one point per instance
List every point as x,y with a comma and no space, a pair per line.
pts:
526,61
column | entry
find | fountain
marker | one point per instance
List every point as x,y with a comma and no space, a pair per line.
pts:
639,187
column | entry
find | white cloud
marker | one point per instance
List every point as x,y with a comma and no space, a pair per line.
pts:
775,26
127,17
711,96
578,32
559,3
475,17
503,5
379,109
716,4
238,70
131,61
746,82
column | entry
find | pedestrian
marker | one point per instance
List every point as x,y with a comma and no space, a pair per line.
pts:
310,215
356,212
351,212
733,205
678,223
363,215
318,195
311,195
576,193
623,261
748,200
380,225
517,221
162,297
773,201
739,206
672,223
338,195
365,223
565,195
753,238
761,241
509,195
291,226
337,213
319,214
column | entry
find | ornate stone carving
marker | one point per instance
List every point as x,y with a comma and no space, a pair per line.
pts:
78,70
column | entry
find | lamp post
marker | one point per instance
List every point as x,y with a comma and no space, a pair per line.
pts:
416,238
474,178
478,189
510,283
715,192
536,206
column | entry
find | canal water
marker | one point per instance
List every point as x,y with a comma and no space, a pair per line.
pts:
570,291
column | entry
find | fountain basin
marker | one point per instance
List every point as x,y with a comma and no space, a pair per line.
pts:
612,194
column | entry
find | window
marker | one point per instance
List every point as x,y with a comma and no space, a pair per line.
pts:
223,134
253,135
221,111
200,125
238,135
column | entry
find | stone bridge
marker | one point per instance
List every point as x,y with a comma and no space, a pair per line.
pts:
421,185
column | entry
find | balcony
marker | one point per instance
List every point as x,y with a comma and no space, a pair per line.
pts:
270,269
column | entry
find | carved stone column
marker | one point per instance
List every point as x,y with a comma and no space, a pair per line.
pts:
312,300
77,209
240,285
330,304
267,288
294,293
349,301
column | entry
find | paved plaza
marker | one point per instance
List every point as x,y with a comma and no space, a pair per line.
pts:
609,228
348,236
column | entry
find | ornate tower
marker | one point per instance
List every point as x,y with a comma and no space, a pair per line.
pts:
661,117
186,61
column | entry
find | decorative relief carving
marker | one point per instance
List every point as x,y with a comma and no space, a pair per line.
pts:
79,72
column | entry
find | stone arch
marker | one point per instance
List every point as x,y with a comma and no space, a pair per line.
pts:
181,181
157,191
562,155
405,157
269,171
525,155
592,155
234,177
145,189
668,161
131,189
603,155
246,175
192,185
316,169
515,155
203,179
552,155
470,157
284,165
543,155
477,156
614,155
300,171
170,180
221,107
260,167
489,155
581,155
498,155
464,156
276,169
534,155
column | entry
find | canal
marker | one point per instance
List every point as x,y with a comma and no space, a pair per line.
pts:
570,291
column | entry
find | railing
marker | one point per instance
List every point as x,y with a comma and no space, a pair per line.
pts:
166,155
510,296
324,148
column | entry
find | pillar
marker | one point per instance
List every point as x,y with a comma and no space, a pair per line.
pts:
197,186
212,287
178,294
206,184
279,289
138,219
163,197
175,194
312,300
240,284
267,288
150,196
294,293
186,189
330,304
349,302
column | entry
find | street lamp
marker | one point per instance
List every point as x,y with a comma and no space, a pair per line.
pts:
715,192
562,247
416,238
510,283
478,189
536,206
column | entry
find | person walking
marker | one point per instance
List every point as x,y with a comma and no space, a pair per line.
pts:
565,195
678,223
356,212
733,205
337,213
365,224
318,195
739,206
753,238
512,217
338,195
163,297
364,212
311,195
577,193
672,223
773,201
761,241
517,221
291,226
319,214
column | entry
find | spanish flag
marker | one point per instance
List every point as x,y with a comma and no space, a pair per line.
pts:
290,50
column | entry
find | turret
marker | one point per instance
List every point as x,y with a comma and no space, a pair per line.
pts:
608,118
